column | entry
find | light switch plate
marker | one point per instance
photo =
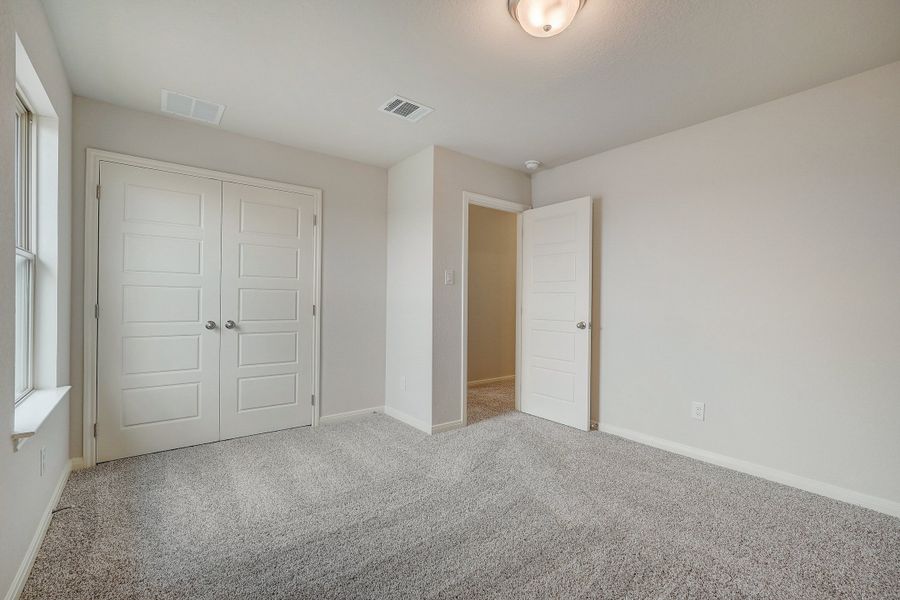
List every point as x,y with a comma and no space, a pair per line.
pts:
449,277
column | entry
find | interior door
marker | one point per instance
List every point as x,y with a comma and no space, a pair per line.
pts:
556,310
268,262
158,362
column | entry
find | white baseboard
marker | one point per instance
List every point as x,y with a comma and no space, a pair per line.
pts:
408,419
350,414
448,426
490,380
882,505
21,578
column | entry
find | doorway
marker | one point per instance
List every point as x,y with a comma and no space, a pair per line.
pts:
491,299
551,372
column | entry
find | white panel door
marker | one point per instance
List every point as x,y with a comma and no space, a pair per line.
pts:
159,259
556,310
268,282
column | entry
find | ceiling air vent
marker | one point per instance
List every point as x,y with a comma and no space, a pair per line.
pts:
189,107
406,109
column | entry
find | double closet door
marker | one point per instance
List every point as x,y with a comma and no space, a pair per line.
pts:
206,326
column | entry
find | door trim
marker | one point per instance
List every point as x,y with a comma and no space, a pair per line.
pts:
468,199
91,276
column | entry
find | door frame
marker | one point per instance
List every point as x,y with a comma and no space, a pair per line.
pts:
91,275
468,199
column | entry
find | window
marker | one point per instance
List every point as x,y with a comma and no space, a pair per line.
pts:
25,258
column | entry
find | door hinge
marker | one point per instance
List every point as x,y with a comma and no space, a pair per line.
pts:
95,430
96,311
314,310
312,400
98,192
315,220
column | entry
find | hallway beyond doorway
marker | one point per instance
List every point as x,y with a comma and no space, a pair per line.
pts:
491,399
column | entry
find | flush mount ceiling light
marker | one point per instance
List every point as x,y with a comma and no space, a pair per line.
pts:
544,18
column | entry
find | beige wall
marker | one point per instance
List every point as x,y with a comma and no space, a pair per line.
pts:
753,263
24,493
353,235
491,293
455,173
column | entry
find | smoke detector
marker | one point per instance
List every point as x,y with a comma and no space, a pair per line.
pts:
189,107
406,109
533,165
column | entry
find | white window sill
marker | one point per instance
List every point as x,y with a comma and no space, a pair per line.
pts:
33,411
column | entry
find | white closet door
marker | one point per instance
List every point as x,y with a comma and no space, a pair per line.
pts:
556,307
159,258
268,254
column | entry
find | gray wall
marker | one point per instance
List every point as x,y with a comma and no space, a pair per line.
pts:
455,173
425,224
354,230
753,263
409,311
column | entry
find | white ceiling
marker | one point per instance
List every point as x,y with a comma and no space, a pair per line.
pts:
312,73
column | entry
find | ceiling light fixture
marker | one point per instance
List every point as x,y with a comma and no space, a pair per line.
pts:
544,18
533,165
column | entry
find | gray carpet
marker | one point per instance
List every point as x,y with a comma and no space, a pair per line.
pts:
512,507
489,400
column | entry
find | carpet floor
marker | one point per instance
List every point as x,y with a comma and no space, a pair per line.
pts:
511,507
489,400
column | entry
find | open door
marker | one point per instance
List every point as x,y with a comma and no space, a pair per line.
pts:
556,312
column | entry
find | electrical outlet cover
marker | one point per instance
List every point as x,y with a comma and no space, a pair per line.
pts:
698,410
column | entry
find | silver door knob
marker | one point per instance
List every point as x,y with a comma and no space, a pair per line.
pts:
581,325
229,324
210,325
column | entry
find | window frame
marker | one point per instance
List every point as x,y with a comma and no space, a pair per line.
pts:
25,179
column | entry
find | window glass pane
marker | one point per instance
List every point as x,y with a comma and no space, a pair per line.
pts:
20,242
24,268
24,309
